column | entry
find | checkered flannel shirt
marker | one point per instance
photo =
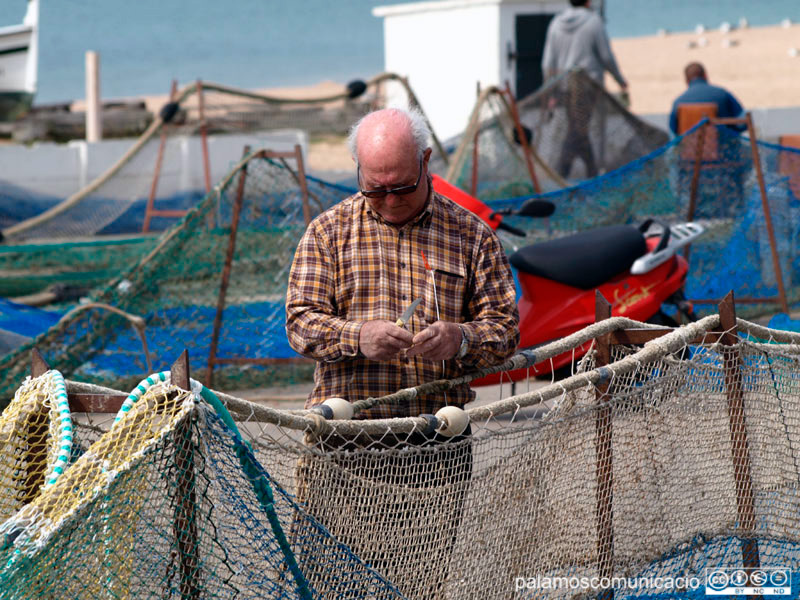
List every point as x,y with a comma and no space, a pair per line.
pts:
351,266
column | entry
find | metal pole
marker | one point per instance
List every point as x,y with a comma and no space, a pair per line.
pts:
185,524
301,179
767,215
204,136
701,135
226,272
148,213
740,450
474,180
526,151
603,450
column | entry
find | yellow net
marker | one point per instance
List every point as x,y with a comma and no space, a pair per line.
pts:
36,439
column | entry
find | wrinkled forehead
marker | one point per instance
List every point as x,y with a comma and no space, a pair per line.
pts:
390,164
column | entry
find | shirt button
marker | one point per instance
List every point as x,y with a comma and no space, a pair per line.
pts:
402,265
400,234
404,297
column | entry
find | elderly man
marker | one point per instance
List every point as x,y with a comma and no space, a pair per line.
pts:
361,263
357,268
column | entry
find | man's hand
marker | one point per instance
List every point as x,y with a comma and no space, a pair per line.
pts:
381,340
439,341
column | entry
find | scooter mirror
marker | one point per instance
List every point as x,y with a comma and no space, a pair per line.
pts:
537,208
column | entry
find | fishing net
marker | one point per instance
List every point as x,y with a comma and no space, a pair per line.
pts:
735,252
36,436
175,288
171,503
594,477
159,162
30,268
577,131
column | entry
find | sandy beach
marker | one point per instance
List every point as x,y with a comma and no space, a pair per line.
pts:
323,154
760,65
753,63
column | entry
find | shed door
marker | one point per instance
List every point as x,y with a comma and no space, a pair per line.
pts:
530,33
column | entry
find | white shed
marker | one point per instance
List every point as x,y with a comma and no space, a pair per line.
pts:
446,48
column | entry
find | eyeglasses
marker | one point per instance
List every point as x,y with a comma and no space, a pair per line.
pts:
398,191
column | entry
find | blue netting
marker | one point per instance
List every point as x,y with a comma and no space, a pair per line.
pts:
734,253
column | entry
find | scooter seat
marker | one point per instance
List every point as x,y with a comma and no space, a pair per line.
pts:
584,260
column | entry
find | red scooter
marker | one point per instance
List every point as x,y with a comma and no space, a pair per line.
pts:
636,271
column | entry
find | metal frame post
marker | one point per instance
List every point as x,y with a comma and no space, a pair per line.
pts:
185,523
740,449
204,135
226,271
767,215
150,211
213,359
473,186
748,121
526,150
604,497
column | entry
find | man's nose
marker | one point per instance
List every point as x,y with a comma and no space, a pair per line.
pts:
393,199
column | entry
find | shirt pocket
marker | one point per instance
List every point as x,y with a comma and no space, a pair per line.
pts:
451,290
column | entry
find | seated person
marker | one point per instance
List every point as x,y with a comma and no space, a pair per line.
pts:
699,90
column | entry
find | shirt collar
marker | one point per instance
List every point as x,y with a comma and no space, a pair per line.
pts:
423,218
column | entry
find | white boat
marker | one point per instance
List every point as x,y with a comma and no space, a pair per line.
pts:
19,49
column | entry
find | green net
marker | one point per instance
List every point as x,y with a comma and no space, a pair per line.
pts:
176,289
30,268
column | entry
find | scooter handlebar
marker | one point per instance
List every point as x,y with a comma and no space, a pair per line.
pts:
511,229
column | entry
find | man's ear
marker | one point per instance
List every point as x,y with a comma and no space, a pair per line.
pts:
426,156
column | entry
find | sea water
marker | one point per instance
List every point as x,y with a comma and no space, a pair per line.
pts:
144,44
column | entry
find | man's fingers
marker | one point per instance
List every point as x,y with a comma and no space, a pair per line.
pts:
424,335
403,336
426,346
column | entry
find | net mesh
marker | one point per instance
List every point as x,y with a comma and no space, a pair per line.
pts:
735,251
114,201
36,435
172,503
578,131
176,289
595,476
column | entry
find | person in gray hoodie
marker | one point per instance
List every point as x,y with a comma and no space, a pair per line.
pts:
576,38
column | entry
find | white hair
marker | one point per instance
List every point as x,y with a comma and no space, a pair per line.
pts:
419,131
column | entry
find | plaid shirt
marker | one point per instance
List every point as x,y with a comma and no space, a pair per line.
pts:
351,266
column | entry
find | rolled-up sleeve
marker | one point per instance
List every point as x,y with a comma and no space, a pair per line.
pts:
312,325
492,332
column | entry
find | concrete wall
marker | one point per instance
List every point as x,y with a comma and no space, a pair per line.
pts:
59,170
770,123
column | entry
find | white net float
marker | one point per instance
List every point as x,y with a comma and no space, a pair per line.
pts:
454,421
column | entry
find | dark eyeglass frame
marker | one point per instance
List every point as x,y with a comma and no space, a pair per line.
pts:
398,191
